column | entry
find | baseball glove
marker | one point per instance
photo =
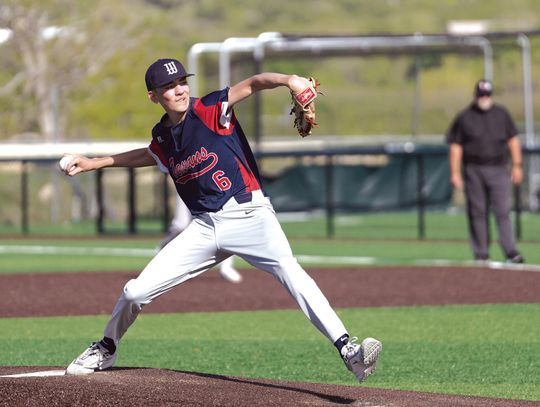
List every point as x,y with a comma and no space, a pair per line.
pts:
304,108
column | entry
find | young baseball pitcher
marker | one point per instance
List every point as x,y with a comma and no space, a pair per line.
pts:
200,143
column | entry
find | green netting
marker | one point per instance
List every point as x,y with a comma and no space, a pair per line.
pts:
363,188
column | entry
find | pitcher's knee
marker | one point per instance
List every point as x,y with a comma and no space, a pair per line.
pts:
133,294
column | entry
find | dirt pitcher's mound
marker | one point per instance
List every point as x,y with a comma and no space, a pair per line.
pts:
158,387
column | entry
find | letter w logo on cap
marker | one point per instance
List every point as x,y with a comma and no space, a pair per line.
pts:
171,68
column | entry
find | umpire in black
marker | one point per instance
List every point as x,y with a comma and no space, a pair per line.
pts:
482,137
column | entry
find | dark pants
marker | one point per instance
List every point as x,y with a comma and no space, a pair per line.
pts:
489,187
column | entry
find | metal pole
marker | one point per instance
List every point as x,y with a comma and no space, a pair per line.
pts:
517,211
257,108
416,98
53,170
193,63
24,197
99,198
488,60
329,178
233,44
132,212
534,167
523,41
259,52
166,211
420,196
483,43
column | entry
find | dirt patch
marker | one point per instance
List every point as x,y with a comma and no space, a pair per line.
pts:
160,387
96,293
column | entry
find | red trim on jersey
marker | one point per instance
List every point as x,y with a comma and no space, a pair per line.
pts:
210,117
249,178
154,147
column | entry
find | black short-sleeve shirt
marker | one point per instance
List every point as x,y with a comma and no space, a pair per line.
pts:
483,134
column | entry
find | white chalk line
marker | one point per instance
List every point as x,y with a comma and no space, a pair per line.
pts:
47,373
81,251
311,259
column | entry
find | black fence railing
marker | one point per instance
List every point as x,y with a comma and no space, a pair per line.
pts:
418,153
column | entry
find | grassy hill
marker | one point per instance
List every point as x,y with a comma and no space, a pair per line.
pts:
363,95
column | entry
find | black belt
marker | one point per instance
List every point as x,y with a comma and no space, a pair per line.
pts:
243,197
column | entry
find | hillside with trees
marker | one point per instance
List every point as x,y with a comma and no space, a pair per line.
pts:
74,70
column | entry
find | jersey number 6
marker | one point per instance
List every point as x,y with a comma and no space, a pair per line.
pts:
221,180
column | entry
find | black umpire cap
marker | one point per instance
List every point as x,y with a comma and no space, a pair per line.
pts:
164,71
483,88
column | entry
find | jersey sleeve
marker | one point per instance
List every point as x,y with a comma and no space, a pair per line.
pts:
158,156
213,110
454,134
511,129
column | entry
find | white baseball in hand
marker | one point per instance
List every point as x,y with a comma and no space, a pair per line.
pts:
64,161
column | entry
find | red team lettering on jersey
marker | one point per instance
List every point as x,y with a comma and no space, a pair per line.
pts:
207,155
179,170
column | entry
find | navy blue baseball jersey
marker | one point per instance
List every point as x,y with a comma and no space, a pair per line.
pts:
207,155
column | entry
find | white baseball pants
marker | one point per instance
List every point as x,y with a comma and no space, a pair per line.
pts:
250,230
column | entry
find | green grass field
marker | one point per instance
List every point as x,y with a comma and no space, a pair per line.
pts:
438,225
484,350
127,254
474,350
